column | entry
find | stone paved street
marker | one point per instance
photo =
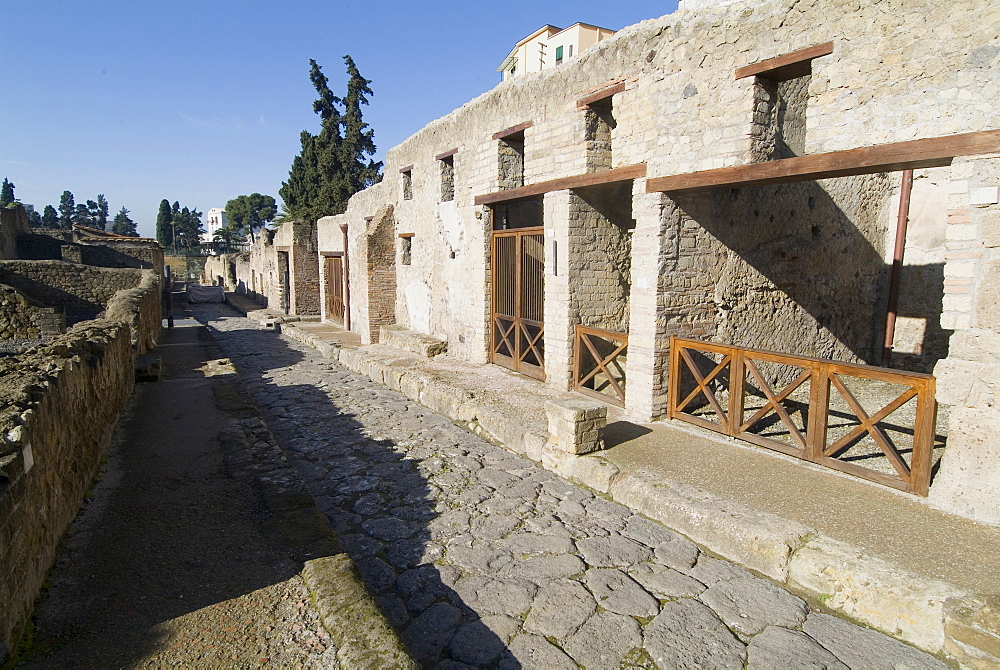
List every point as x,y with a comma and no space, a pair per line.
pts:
481,558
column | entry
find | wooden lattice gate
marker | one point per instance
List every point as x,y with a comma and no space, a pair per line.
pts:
335,306
517,340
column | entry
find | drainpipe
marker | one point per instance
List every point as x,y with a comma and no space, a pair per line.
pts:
897,265
347,282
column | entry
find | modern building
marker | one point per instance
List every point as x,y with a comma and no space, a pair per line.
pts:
550,46
215,218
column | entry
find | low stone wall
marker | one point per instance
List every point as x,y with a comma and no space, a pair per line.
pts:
20,319
59,284
60,403
141,308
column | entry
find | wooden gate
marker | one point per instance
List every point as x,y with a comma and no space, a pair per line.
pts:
871,422
517,340
335,288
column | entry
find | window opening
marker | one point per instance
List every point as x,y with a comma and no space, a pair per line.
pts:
511,161
407,174
599,121
447,161
559,55
405,248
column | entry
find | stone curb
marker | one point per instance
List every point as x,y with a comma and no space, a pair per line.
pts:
839,576
363,635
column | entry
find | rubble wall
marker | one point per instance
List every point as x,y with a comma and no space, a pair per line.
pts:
68,285
13,223
60,403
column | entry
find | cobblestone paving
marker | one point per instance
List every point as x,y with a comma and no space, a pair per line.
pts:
483,559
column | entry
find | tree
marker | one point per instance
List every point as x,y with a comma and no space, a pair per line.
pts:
50,219
67,210
228,235
82,215
34,218
249,213
123,225
333,165
6,193
99,212
164,233
187,227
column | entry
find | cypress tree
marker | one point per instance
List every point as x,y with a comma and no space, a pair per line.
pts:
123,225
333,165
164,235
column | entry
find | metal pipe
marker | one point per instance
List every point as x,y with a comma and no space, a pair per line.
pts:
897,265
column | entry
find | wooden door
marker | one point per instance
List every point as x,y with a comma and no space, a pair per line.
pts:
335,306
517,340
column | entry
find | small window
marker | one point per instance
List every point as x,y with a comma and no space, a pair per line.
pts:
447,161
405,248
559,55
407,184
569,51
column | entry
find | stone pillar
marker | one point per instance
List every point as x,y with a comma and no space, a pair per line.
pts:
559,331
643,373
968,481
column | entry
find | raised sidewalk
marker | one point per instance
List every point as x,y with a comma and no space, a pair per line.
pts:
875,555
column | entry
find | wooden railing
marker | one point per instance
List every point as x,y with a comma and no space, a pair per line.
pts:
599,364
784,402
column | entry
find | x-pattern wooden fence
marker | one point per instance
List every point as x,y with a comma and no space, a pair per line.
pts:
599,364
717,381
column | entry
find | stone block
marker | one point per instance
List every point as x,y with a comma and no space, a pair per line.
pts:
972,631
757,540
873,591
575,424
398,337
968,482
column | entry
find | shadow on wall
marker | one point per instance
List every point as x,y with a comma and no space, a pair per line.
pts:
798,270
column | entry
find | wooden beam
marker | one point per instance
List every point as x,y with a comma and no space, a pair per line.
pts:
406,235
408,168
446,154
513,130
787,66
602,94
914,154
627,173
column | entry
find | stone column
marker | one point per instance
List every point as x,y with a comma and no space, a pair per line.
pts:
558,324
968,482
643,373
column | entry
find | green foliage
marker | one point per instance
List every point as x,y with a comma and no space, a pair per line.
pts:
229,235
186,224
248,213
6,193
34,218
50,218
123,225
164,233
99,213
335,164
82,215
67,210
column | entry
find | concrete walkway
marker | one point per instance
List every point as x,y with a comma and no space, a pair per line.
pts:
877,555
199,546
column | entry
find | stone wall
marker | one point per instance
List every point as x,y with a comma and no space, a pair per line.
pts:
60,403
260,273
21,319
13,223
67,285
800,268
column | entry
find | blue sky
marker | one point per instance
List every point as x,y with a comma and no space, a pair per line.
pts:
203,100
